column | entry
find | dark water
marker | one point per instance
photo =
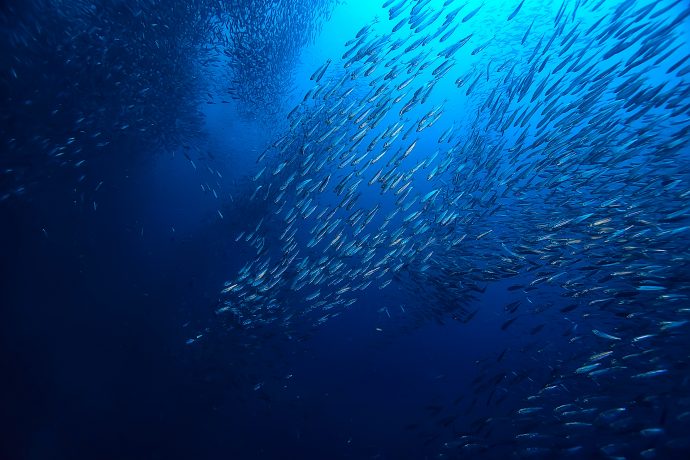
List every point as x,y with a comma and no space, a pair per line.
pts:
519,288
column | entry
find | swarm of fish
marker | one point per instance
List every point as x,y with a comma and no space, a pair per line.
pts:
84,78
261,41
558,161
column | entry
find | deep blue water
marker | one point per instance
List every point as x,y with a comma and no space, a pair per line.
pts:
137,136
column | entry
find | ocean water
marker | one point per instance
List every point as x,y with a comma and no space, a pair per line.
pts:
408,229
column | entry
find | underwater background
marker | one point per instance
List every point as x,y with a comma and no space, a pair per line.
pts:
345,229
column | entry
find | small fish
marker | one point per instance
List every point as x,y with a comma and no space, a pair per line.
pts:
472,13
507,324
650,374
604,335
516,11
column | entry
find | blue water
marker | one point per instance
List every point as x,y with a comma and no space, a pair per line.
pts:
115,254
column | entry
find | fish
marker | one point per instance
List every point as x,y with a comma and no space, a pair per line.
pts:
319,73
604,335
507,324
516,10
472,13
